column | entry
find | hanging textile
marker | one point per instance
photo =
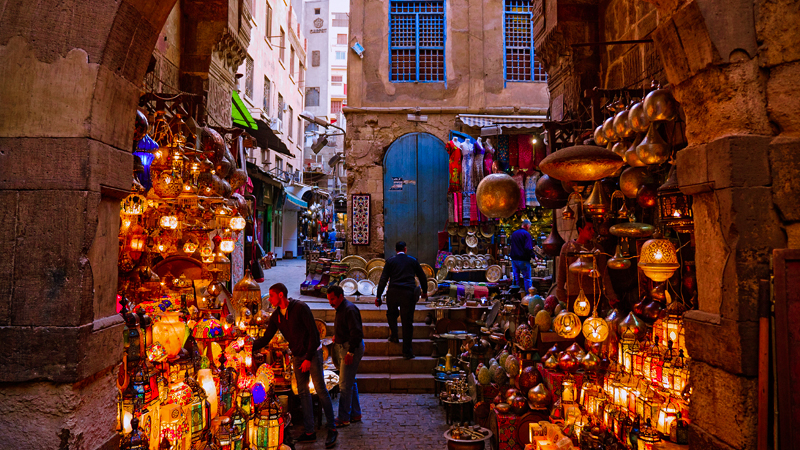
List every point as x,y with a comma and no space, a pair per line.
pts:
477,172
473,207
513,153
467,214
454,166
488,158
530,189
525,143
466,167
450,213
501,152
519,178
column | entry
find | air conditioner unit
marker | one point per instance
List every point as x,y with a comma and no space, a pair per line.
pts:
275,124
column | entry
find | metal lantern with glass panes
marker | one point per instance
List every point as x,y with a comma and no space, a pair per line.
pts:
267,434
136,439
672,324
199,409
674,208
625,343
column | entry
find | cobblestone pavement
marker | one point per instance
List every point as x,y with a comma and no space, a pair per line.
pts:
390,421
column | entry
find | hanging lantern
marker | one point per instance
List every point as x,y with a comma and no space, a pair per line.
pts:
167,185
199,418
134,205
595,329
206,250
673,322
238,223
653,149
498,196
552,245
137,238
222,264
567,213
228,243
169,222
582,307
222,217
567,324
658,259
581,266
674,208
190,245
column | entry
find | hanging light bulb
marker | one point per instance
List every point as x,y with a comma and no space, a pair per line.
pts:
567,324
237,223
582,306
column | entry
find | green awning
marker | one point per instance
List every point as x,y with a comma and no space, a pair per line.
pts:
240,114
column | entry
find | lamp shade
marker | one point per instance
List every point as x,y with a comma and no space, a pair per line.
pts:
658,259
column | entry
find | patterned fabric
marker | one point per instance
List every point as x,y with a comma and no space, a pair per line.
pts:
467,208
361,219
456,207
507,431
501,153
440,258
530,189
488,158
450,213
525,143
454,166
466,167
513,152
473,207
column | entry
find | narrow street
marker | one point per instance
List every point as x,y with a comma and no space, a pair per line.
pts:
391,421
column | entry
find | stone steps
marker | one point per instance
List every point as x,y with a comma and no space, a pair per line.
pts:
396,364
395,383
381,330
382,347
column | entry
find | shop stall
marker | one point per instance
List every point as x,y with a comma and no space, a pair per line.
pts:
601,362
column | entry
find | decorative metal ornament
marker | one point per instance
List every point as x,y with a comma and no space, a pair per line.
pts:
660,105
658,259
674,208
622,126
637,118
590,361
552,245
600,138
618,262
498,196
653,149
581,266
568,213
631,157
581,163
633,323
632,178
598,202
633,230
567,324
608,130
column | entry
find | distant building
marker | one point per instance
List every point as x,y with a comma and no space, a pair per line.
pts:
430,67
326,27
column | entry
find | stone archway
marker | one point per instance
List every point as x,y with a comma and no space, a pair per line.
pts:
72,73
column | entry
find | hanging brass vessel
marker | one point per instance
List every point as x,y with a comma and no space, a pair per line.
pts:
660,105
621,126
599,138
608,130
653,149
637,118
618,262
598,202
631,157
581,163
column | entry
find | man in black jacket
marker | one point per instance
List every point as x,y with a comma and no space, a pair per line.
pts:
348,336
296,322
403,293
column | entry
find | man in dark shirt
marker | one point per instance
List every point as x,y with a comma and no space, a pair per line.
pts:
348,337
400,272
296,322
521,253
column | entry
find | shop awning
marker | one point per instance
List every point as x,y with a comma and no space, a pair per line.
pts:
294,203
483,120
240,115
273,142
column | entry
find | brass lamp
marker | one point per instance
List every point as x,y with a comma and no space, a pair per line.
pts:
567,324
228,243
674,208
595,329
237,223
246,293
582,307
658,259
598,202
267,434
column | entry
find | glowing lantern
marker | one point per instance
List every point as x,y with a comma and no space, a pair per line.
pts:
658,259
137,238
228,243
136,439
246,292
191,244
206,249
567,324
222,217
582,306
237,223
222,264
199,406
595,329
568,391
134,205
170,332
169,222
267,434
173,423
206,380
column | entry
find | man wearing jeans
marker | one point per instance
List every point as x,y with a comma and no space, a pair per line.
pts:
296,322
521,254
348,337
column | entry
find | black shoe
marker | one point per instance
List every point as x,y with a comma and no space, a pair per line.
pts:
394,339
408,357
307,437
330,441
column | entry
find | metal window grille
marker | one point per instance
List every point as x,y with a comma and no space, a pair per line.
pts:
336,78
248,83
340,20
336,106
280,106
521,63
416,40
314,58
341,39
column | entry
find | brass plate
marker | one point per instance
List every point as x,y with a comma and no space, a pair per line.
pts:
322,327
375,262
441,275
357,273
355,261
428,270
494,274
374,274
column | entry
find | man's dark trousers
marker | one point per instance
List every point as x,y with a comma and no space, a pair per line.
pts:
404,300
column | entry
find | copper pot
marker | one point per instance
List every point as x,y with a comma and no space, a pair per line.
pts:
498,196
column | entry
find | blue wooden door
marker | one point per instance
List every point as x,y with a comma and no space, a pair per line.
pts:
415,195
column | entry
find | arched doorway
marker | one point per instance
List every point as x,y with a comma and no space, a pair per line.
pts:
415,194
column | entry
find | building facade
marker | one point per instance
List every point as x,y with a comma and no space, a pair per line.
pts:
272,87
326,24
425,66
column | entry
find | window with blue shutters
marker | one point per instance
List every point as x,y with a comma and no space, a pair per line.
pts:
521,63
416,41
